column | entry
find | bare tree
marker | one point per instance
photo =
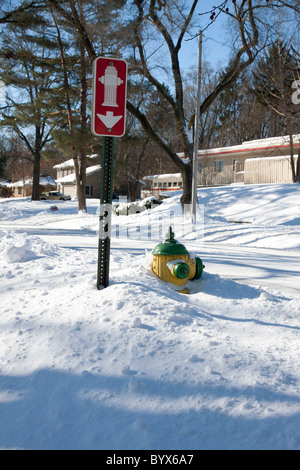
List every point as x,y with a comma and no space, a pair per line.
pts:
274,76
171,22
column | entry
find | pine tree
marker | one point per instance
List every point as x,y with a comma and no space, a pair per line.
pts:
74,133
3,158
29,69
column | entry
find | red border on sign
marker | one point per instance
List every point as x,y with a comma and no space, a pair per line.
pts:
109,97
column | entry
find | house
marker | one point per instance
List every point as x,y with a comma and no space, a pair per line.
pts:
252,162
24,187
158,185
66,179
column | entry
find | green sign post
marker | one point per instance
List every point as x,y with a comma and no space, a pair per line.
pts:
105,211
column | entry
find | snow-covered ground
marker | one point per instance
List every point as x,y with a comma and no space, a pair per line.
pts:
138,365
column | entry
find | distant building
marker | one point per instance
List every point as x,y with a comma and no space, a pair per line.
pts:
66,179
24,187
157,185
253,162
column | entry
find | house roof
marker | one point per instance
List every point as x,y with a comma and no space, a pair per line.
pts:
280,157
4,182
166,175
71,179
270,144
66,164
70,163
44,181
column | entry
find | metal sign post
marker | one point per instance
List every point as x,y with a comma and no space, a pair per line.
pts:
105,211
108,121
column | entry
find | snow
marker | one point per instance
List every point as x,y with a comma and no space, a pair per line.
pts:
163,176
279,157
72,177
70,163
44,181
259,144
139,366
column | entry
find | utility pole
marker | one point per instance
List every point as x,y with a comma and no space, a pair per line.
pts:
196,132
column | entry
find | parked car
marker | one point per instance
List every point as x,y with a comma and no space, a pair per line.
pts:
55,195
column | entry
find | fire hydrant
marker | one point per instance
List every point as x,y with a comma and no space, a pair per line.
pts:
172,262
110,81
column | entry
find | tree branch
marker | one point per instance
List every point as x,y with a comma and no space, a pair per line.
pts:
79,26
153,134
144,68
9,17
186,24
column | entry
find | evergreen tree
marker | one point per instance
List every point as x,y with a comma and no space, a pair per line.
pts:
3,158
29,69
74,132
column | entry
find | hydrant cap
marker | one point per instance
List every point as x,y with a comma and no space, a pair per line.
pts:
170,246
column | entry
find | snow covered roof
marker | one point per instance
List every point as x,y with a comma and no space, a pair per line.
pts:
66,164
72,178
70,163
252,145
280,157
163,176
44,181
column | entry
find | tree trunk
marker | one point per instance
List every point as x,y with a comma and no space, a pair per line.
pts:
36,167
79,158
80,171
292,160
36,178
187,176
83,125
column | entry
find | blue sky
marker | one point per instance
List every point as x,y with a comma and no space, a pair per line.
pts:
214,50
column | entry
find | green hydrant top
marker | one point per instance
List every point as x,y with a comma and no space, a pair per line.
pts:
170,246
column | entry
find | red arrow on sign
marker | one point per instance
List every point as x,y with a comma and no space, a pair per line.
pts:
109,97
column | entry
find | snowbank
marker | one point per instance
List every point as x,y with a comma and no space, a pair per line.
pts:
138,365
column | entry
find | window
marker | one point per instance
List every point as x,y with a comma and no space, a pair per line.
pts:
89,190
169,185
200,167
218,166
165,184
235,161
154,185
